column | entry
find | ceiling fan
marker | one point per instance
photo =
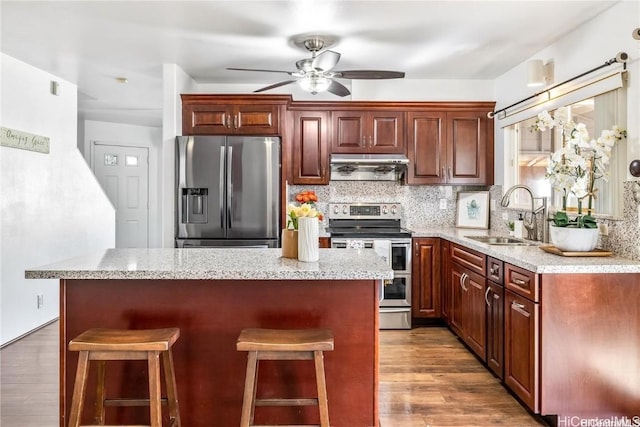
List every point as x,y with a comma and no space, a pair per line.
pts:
316,74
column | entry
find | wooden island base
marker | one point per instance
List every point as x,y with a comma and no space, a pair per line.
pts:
210,372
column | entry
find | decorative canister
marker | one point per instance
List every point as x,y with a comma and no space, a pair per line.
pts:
308,239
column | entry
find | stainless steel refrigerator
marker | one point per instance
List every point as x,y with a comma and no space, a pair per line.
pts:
228,191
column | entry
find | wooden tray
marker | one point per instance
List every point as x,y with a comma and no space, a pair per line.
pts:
553,250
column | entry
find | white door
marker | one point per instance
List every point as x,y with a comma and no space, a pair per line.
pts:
123,174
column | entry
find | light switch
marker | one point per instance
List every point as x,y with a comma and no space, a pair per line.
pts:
443,204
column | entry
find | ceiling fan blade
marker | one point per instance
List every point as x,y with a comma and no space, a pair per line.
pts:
286,82
369,74
337,88
257,69
326,60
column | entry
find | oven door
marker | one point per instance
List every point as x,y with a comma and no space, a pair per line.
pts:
396,292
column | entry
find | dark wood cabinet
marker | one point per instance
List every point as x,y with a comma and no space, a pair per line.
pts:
467,284
310,147
232,114
425,277
325,242
357,132
521,348
494,298
450,147
446,287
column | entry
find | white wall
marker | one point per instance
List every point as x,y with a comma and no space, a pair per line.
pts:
52,206
175,82
585,48
132,136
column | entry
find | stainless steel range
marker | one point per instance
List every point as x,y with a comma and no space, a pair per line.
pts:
377,226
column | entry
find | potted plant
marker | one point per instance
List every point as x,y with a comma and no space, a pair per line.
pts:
573,170
303,207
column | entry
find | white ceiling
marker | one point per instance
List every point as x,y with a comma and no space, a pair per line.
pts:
90,43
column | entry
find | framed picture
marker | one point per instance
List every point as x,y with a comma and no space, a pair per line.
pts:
472,209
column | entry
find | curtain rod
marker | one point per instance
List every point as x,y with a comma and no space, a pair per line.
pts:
621,57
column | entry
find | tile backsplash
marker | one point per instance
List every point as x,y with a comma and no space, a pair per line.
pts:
421,208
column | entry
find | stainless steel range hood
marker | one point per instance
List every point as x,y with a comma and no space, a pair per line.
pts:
368,167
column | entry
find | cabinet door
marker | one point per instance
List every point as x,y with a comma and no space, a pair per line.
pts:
457,296
475,313
385,132
348,132
446,286
521,348
467,150
425,277
207,119
256,119
426,148
309,145
494,296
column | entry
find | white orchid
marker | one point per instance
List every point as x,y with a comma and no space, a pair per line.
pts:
575,166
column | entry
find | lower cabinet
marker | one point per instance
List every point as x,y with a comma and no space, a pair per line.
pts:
494,297
468,314
425,278
521,348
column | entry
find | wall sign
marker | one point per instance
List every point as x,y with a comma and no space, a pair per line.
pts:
26,141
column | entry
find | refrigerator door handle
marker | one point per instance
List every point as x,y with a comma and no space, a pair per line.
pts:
229,186
221,186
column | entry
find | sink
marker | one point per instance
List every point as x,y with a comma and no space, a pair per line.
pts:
499,240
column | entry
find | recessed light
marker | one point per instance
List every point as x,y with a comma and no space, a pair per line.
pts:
122,80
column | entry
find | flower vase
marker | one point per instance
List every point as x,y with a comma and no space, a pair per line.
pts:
289,243
308,239
570,239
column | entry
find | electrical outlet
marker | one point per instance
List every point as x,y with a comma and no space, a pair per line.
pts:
604,229
493,205
40,300
505,216
443,204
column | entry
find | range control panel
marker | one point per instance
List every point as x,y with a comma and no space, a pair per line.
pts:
364,211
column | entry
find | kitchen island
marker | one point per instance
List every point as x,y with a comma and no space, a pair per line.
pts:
211,295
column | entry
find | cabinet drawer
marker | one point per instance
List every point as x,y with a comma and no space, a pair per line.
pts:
495,269
469,258
522,282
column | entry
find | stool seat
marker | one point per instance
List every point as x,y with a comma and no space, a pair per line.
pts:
255,339
98,339
284,344
102,345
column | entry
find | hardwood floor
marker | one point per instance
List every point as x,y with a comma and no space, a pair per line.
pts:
427,379
29,380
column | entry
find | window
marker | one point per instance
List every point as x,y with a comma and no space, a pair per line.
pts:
527,154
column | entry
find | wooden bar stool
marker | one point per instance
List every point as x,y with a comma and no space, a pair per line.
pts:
102,345
284,344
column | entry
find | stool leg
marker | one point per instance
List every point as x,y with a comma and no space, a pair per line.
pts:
250,385
155,409
323,405
100,393
79,388
172,396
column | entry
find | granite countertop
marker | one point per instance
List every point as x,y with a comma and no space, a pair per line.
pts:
223,264
533,258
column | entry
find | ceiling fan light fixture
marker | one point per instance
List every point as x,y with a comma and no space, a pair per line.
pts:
314,84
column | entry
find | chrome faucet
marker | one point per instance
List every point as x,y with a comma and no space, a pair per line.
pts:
532,226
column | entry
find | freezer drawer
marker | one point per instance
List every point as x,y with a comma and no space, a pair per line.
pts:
224,243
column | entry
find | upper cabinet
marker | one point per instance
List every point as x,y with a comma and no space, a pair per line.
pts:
363,132
450,147
232,115
310,147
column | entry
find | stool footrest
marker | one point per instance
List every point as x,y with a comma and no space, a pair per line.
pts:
287,402
132,402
